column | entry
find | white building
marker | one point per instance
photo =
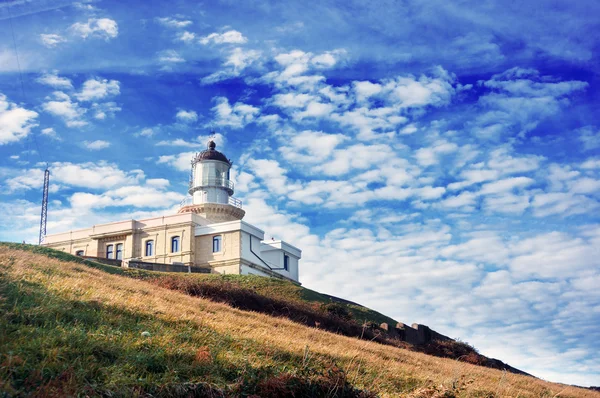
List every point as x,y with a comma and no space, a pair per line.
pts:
207,233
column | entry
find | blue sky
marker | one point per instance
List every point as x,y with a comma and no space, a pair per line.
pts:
438,162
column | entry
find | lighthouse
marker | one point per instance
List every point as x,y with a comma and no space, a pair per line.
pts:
206,235
211,188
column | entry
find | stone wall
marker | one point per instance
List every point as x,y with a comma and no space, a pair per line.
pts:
414,334
166,267
106,261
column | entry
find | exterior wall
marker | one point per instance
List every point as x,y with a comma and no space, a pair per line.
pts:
161,235
273,251
227,261
275,260
246,270
133,234
242,248
255,246
250,259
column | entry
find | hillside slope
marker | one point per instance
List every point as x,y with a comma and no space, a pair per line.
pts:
69,328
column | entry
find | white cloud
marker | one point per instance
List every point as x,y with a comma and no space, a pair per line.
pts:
314,110
297,63
236,62
97,88
589,137
52,40
15,122
103,110
464,201
273,175
236,116
522,82
520,99
501,160
174,23
49,132
229,37
562,203
96,145
152,195
170,57
291,27
408,91
103,28
292,100
61,105
553,255
559,175
310,146
92,175
365,89
186,37
53,80
585,185
180,162
591,164
186,116
355,157
507,203
429,156
505,185
369,122
327,59
178,142
146,132
158,182
409,129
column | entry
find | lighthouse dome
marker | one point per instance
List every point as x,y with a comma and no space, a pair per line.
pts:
211,154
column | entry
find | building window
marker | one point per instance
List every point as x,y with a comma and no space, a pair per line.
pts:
286,262
149,248
110,251
79,253
217,243
175,244
119,255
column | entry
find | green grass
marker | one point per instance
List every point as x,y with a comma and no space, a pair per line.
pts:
68,330
287,291
269,287
52,346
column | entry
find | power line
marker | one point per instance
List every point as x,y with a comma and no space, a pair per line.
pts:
12,30
44,213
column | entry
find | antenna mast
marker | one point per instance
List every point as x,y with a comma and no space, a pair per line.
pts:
44,217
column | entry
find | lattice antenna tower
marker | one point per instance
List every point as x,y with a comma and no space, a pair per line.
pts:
44,217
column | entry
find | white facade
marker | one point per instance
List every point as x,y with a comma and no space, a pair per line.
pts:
258,257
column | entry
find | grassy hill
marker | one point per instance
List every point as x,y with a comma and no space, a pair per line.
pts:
70,327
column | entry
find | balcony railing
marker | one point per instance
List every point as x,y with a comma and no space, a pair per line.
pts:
211,182
232,201
235,202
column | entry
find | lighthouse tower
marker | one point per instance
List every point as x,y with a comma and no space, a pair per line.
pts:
211,188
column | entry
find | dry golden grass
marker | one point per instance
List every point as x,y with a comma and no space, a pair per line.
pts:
387,370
